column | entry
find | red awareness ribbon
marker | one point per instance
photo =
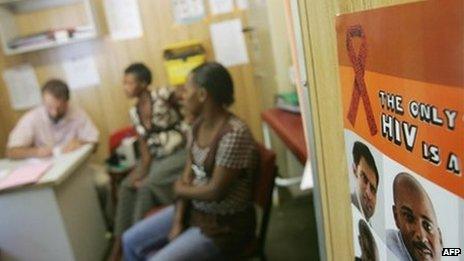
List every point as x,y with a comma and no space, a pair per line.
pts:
359,66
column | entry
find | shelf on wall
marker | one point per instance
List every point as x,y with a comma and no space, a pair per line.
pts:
59,22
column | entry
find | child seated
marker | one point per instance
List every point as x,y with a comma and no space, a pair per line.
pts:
214,216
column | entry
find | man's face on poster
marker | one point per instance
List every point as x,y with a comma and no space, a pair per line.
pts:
416,220
366,187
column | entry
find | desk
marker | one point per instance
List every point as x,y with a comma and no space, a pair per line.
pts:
58,218
289,128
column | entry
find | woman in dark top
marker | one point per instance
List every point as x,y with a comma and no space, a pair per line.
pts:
214,216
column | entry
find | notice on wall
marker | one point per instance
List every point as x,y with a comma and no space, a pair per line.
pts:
23,87
81,72
403,107
123,19
217,7
242,4
188,11
229,43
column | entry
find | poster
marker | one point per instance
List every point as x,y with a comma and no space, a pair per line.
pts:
188,11
217,7
401,72
242,4
123,19
81,72
229,42
23,87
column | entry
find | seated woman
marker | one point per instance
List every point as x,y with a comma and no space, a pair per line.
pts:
161,132
214,216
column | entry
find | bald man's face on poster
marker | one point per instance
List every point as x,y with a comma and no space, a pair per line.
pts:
416,219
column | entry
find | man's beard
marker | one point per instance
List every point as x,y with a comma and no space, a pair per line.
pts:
56,119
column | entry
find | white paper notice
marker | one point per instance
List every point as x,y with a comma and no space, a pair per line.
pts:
23,87
221,6
188,11
242,4
307,180
123,19
229,43
81,72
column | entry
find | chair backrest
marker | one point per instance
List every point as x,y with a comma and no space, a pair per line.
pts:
117,137
263,185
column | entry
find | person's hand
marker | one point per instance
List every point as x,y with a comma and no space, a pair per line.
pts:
189,118
136,181
74,144
176,230
178,186
44,152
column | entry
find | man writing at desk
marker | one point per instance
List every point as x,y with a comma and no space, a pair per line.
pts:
52,128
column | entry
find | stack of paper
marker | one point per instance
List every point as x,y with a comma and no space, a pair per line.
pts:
24,175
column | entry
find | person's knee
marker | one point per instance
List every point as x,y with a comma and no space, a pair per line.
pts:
100,176
129,238
102,179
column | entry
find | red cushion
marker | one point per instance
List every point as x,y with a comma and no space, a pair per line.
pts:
117,137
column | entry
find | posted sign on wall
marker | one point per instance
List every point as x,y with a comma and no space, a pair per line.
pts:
402,79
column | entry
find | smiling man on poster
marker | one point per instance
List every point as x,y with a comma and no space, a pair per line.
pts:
419,236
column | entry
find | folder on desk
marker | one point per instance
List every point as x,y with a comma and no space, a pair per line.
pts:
25,175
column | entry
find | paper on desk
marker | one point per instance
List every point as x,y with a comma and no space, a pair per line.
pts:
229,43
221,6
3,174
123,18
24,175
307,180
23,86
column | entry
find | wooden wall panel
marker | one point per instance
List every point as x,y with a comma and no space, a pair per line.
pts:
319,36
106,104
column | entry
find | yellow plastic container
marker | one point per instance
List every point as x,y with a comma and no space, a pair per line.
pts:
181,58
